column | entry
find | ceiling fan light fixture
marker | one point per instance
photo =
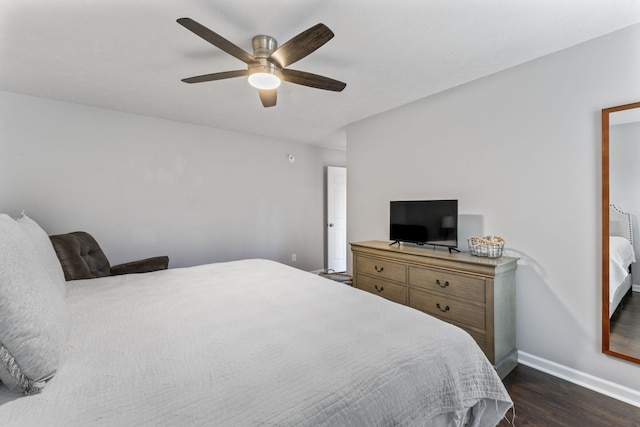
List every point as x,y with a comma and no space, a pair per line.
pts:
264,80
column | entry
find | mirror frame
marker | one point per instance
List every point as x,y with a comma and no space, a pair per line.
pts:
605,232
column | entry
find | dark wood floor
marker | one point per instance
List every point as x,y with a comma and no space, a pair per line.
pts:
625,333
544,400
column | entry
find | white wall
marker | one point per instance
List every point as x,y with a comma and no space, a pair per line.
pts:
145,186
521,149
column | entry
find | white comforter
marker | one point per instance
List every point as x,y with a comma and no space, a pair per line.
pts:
621,256
256,343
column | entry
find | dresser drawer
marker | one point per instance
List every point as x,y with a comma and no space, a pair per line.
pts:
458,285
479,337
388,290
448,308
382,268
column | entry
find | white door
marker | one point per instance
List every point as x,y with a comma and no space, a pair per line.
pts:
337,218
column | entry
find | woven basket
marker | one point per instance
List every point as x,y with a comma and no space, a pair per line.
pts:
488,246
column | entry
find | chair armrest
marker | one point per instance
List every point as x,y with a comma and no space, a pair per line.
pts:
141,266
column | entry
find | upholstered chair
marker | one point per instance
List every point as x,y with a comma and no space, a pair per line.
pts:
82,258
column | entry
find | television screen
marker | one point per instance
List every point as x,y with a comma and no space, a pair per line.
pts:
425,222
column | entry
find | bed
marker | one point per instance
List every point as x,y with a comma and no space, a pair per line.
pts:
621,256
241,343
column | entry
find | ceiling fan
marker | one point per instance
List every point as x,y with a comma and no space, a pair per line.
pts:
266,68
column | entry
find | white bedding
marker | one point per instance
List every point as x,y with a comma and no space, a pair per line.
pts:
621,256
254,342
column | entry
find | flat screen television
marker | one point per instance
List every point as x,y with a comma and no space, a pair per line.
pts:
424,222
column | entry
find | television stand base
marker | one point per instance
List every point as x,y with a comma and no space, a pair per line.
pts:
454,249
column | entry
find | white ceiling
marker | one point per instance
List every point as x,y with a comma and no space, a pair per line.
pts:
129,55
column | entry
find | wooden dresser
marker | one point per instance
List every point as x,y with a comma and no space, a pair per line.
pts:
474,293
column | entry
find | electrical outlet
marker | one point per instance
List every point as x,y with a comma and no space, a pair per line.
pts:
293,257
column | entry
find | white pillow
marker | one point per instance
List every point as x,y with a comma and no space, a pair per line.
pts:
44,251
34,321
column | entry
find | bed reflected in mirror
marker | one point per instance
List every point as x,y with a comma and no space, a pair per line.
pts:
620,239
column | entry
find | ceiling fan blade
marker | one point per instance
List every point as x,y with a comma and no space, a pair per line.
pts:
268,97
216,76
312,80
302,45
216,40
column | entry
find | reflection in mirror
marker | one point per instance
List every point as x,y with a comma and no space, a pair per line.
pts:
620,241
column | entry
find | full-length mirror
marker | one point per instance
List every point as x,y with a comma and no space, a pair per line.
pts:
620,237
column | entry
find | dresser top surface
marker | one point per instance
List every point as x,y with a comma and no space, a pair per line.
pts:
437,253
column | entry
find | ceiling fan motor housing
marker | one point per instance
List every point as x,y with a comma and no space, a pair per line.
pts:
263,47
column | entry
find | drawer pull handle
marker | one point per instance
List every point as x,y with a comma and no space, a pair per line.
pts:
379,289
444,310
379,270
441,285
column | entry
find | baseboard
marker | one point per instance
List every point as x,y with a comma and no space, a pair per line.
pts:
608,388
635,288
